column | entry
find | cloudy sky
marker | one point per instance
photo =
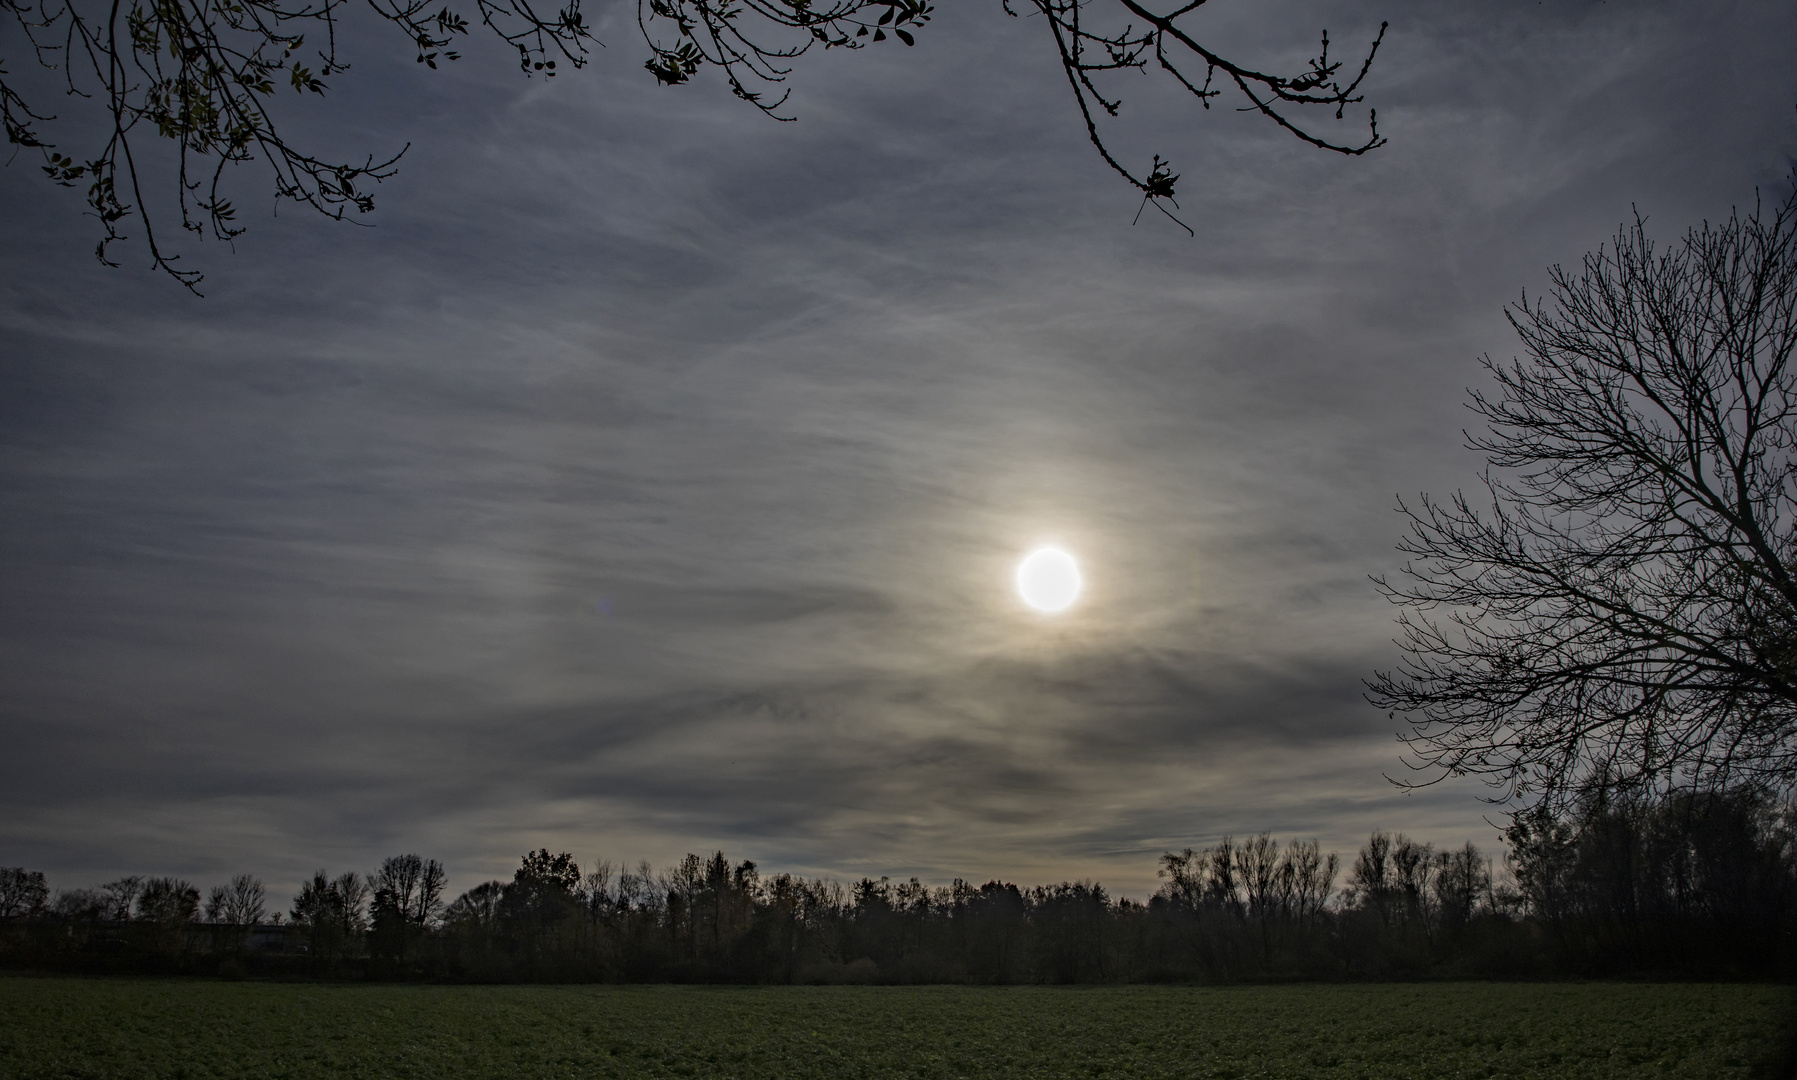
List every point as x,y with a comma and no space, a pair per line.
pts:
649,478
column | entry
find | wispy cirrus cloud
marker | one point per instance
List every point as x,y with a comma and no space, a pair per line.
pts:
649,479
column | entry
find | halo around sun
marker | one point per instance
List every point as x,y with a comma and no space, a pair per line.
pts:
1048,580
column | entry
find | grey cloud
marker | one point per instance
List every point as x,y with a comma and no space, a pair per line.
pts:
648,479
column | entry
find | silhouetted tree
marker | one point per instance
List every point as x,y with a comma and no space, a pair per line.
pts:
332,912
242,902
994,920
408,896
80,905
540,910
207,78
1069,922
232,909
1370,882
1411,867
1312,877
168,901
1623,612
22,892
1461,881
1240,910
1694,881
165,909
121,896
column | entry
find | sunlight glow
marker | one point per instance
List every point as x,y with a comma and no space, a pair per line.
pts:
1048,580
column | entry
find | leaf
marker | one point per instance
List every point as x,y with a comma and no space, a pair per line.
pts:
904,37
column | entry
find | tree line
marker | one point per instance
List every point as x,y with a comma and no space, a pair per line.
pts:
1695,885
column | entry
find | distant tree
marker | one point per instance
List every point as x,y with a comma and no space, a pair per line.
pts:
22,892
353,891
540,909
408,897
1699,881
1621,612
797,914
1069,921
121,897
710,908
995,917
1312,877
598,890
80,905
165,909
558,872
478,908
1459,881
1412,866
1259,869
208,79
332,914
473,926
232,909
1370,884
1244,909
240,903
414,886
637,889
168,901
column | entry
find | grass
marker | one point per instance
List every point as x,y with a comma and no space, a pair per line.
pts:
187,1030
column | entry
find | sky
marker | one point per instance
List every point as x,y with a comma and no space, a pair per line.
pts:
649,477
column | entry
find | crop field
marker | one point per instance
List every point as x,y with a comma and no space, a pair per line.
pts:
189,1030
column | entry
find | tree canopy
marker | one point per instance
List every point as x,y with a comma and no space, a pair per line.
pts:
205,74
1618,607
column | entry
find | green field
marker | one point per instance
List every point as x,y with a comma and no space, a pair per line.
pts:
187,1030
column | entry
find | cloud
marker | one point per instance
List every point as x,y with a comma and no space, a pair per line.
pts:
649,479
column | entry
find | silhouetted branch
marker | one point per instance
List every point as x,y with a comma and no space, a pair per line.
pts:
204,74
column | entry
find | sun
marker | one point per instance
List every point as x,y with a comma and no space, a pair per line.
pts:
1048,580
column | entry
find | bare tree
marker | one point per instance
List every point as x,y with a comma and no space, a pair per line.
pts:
22,891
1370,884
414,887
352,892
1412,867
1262,875
1312,876
209,77
121,897
240,903
333,913
169,901
166,907
1619,609
1459,880
596,890
80,905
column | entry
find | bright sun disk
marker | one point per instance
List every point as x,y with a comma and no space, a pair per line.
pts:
1048,580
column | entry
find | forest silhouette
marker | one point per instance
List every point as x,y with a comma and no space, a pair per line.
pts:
1694,885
